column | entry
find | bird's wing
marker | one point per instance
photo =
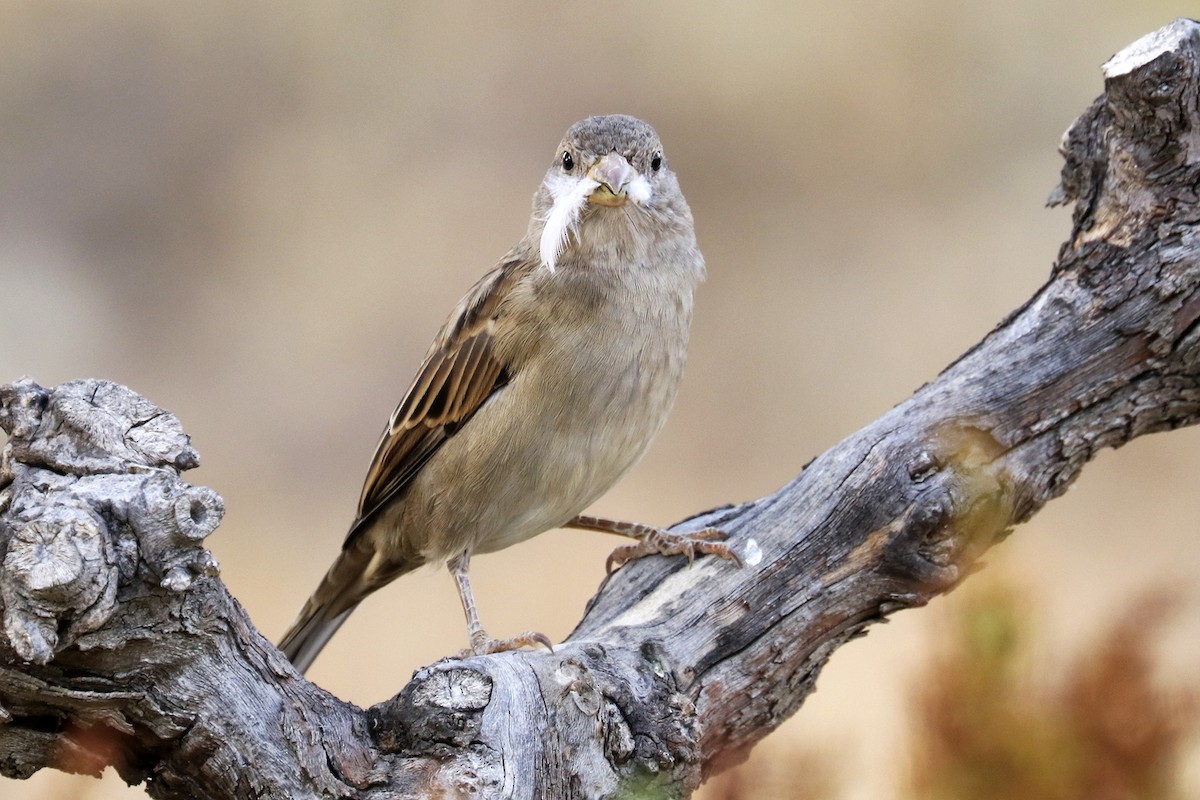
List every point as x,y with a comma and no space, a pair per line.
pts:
460,372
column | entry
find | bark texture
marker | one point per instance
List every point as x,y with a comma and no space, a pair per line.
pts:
121,646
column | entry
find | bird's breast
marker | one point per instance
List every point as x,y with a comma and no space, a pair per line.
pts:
605,381
579,411
594,364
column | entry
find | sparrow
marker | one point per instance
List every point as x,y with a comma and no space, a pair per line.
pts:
545,386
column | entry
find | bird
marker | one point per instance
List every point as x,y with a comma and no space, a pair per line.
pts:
545,385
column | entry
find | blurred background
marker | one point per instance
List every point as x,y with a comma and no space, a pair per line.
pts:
258,215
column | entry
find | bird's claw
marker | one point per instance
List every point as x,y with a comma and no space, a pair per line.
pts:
656,541
481,645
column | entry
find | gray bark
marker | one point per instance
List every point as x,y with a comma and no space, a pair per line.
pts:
121,646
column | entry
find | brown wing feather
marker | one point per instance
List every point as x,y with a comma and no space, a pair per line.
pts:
460,372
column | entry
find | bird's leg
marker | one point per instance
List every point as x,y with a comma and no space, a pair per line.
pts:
480,643
656,541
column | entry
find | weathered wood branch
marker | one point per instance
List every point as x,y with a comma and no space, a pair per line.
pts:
120,645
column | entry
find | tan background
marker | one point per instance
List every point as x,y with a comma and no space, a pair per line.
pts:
258,214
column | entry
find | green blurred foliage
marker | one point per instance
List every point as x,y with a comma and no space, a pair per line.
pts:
991,724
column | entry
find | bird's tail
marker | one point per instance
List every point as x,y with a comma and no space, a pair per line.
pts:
359,570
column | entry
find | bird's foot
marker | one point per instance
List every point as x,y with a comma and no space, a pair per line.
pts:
656,541
482,645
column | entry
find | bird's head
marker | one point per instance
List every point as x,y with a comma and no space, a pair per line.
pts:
612,163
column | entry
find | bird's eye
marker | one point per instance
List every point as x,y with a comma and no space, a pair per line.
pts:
656,161
568,163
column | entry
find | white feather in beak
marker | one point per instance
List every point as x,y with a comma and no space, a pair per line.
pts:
639,190
570,194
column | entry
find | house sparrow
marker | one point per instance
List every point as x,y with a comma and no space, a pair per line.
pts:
543,388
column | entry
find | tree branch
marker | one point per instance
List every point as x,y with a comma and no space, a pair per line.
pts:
120,645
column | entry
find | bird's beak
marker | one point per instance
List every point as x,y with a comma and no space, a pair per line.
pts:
614,174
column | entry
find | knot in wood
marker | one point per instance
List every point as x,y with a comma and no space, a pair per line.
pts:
439,713
88,427
171,519
922,466
58,579
91,494
21,405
